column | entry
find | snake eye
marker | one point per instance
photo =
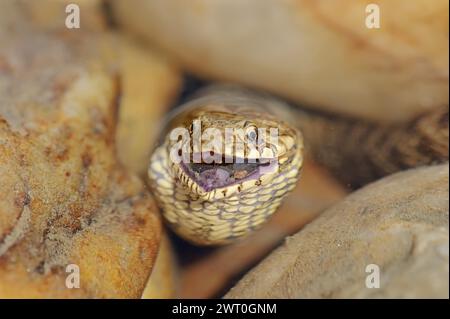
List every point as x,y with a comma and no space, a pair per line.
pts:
252,135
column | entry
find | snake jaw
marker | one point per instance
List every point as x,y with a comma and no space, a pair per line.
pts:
215,181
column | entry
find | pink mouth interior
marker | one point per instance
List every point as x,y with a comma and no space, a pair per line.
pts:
212,176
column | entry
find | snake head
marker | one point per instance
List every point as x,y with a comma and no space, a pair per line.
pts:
221,150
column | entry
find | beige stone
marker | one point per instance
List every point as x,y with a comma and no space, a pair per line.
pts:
318,53
150,85
399,223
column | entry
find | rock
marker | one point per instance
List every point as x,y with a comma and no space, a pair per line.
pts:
318,53
50,15
399,223
68,209
150,85
163,282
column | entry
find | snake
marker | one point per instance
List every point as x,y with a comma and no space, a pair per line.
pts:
220,195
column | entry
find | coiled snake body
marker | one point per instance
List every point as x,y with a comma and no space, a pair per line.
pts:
215,201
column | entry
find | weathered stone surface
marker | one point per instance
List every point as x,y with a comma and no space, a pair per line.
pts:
150,85
65,200
319,53
399,223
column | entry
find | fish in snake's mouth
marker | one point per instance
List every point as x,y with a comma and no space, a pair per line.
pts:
218,175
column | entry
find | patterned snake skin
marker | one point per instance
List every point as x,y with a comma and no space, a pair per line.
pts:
355,151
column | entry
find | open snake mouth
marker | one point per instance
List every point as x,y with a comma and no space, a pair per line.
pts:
218,175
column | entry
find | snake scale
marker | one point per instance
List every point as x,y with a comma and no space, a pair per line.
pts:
216,203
